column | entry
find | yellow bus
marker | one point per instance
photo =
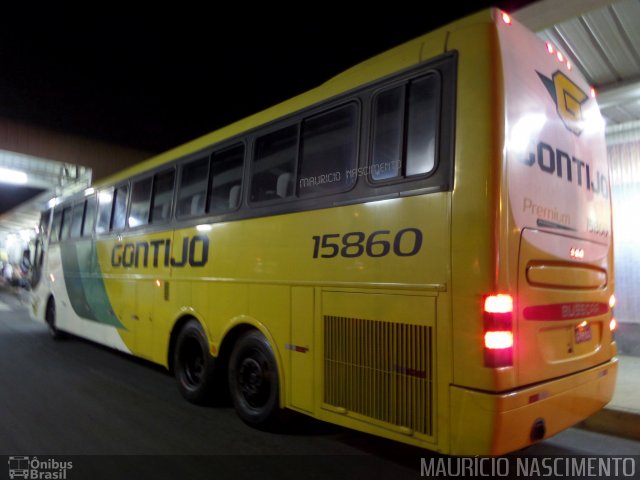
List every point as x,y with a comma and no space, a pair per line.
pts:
419,248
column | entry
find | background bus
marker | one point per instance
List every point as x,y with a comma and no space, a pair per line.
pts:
420,249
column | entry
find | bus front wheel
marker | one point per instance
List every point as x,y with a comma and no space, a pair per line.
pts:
253,381
194,365
50,319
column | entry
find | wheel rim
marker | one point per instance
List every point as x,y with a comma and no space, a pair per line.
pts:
192,359
254,379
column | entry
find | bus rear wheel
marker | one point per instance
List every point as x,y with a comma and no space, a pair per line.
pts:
253,381
193,364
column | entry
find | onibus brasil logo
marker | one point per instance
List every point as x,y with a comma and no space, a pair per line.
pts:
568,98
34,468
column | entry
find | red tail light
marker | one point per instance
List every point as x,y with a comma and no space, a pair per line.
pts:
497,340
498,331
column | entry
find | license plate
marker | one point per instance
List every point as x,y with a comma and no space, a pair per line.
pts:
583,333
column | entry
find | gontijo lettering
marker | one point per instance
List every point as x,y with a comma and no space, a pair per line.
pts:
193,252
557,162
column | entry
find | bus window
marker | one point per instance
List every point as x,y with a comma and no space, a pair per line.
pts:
89,216
55,226
162,196
193,188
422,125
328,152
76,220
120,208
405,130
274,164
66,223
105,206
387,140
140,202
226,179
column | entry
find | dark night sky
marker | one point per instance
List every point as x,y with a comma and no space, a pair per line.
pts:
157,78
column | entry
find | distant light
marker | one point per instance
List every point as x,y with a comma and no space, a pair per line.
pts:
158,283
52,203
12,176
53,279
568,65
26,235
593,92
89,191
582,324
613,324
550,48
612,301
560,56
203,228
506,18
105,196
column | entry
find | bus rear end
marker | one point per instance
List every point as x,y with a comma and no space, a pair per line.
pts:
547,347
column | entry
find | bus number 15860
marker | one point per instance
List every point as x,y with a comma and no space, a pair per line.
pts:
406,243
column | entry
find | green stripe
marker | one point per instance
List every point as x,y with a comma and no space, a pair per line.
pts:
85,287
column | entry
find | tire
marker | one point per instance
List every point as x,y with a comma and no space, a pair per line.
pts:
193,364
253,382
50,319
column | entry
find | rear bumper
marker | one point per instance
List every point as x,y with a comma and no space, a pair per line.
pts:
494,424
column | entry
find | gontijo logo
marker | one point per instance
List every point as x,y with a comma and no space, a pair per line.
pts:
568,98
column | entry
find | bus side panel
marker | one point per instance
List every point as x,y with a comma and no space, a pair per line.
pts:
363,273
